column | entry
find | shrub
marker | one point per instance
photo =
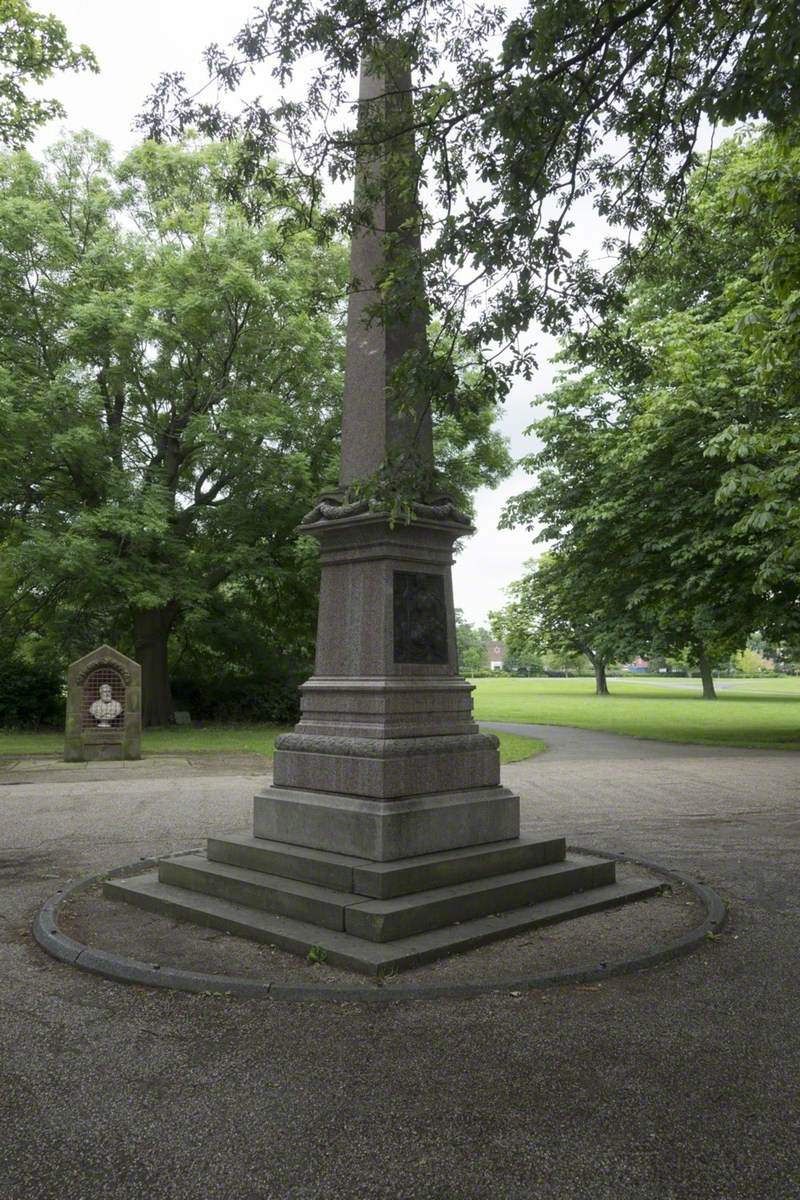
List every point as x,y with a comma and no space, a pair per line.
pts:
30,696
233,697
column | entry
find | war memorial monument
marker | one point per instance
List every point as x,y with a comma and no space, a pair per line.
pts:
386,838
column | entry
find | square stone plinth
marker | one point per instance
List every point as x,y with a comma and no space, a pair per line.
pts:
385,830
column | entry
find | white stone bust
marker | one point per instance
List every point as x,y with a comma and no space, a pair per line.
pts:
105,708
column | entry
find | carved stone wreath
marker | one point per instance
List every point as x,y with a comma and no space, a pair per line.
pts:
332,508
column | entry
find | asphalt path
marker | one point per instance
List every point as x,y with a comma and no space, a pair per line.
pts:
680,1083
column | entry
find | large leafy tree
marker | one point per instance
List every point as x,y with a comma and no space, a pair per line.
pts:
739,340
32,47
635,529
471,642
557,608
517,117
170,380
633,471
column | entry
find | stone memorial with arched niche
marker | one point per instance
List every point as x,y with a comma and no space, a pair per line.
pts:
104,711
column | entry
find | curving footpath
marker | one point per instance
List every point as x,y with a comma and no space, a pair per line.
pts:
680,1082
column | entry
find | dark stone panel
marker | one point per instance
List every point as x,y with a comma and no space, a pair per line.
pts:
420,618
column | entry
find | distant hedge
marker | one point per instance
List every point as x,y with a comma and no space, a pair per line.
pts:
238,698
31,697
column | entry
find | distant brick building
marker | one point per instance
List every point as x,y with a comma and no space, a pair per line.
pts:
494,655
638,666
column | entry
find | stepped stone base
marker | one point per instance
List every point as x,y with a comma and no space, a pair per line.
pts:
382,880
374,917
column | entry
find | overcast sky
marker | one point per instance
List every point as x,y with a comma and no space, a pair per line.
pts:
134,44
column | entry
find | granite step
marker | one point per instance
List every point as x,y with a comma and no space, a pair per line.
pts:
385,920
382,881
255,889
356,954
404,916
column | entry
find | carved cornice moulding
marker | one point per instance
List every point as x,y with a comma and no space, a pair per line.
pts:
385,747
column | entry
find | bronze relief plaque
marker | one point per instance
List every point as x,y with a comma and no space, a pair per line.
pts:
420,618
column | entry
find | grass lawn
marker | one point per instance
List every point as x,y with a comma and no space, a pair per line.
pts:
221,739
176,739
763,713
513,747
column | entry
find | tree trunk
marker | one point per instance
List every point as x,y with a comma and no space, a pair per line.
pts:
151,630
705,675
600,684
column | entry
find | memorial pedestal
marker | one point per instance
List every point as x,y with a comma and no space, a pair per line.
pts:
386,839
386,760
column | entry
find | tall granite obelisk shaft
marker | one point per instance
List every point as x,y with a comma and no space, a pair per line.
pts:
380,424
386,761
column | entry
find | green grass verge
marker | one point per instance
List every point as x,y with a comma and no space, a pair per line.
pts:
220,739
217,739
30,743
177,739
514,747
761,713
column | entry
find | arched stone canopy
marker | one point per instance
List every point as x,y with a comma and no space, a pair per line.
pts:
110,662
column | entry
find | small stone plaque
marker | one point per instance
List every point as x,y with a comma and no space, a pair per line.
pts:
420,618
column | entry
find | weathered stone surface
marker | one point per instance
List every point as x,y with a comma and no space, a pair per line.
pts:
278,858
386,830
389,919
382,881
377,424
360,557
385,707
255,889
104,709
404,916
390,769
347,873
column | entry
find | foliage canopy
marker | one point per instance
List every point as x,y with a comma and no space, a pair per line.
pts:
170,387
670,445
518,117
32,47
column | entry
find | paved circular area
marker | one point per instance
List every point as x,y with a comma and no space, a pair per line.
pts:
679,1083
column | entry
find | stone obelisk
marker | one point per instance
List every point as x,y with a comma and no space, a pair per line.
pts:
386,761
386,838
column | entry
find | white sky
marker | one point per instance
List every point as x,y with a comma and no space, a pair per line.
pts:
133,45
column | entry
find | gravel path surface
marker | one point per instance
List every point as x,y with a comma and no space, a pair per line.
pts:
680,1083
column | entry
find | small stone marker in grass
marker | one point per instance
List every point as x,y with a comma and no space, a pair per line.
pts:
104,709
